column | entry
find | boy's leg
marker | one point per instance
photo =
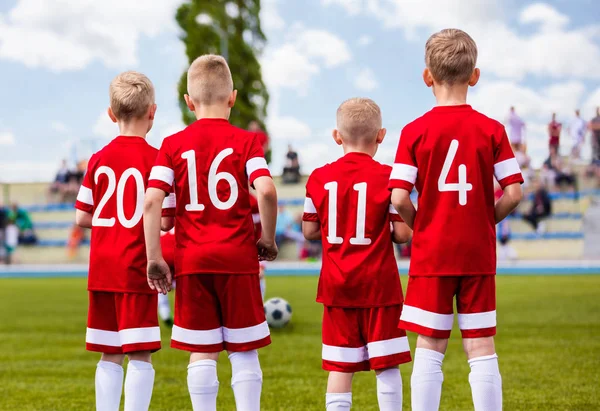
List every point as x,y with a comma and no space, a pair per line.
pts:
428,311
198,329
109,382
245,330
139,381
339,391
476,304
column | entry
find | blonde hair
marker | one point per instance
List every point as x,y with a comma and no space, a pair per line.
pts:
359,119
451,56
209,80
131,94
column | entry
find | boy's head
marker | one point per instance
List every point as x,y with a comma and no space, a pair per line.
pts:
131,98
359,125
209,83
450,57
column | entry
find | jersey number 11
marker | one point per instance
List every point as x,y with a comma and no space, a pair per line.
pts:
361,208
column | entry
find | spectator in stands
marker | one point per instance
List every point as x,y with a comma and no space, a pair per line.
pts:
515,127
75,179
555,172
59,186
577,129
263,137
291,171
21,219
3,224
541,208
554,129
288,229
524,162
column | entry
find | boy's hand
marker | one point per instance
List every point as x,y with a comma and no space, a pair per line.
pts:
267,250
159,276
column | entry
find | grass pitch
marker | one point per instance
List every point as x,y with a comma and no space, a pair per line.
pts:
548,343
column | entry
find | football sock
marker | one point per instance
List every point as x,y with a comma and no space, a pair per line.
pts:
203,385
138,385
389,390
246,380
426,380
338,401
486,383
263,287
109,386
164,307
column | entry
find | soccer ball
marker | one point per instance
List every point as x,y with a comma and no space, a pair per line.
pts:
278,312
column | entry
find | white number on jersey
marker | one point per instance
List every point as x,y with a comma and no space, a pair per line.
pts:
332,237
97,221
213,180
462,186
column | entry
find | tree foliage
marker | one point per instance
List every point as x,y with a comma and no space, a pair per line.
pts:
245,42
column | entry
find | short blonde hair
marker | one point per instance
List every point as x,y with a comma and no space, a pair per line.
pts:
451,56
209,80
131,94
359,119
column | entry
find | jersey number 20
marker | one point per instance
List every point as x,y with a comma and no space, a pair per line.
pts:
98,221
462,186
361,208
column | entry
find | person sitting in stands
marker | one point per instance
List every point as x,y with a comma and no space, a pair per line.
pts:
291,171
541,208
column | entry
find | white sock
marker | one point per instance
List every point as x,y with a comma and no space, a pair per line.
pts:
389,390
263,287
426,380
109,386
139,383
338,401
486,383
203,385
164,307
246,380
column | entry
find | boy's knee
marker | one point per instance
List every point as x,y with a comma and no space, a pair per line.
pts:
144,356
478,347
114,358
202,377
245,367
388,380
433,344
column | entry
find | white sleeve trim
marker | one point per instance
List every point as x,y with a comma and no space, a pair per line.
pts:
254,164
506,168
404,172
309,206
162,173
169,201
85,195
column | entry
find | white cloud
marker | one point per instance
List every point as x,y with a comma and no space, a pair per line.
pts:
588,109
104,127
322,45
544,14
7,138
352,7
270,18
59,127
27,171
365,40
288,128
65,35
365,80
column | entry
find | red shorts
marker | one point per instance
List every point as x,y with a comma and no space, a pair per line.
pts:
119,323
429,302
363,339
216,312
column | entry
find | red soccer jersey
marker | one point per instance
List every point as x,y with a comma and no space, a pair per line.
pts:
113,191
451,155
350,200
209,165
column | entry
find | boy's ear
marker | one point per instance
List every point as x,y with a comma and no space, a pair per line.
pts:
232,99
152,112
111,115
427,77
381,135
474,77
189,103
337,137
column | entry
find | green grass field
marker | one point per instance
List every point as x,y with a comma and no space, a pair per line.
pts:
548,344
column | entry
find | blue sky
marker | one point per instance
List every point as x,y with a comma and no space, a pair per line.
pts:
57,58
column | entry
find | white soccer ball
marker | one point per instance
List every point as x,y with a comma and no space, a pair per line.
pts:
278,312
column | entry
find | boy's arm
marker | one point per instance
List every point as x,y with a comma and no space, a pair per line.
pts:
403,204
513,194
311,230
159,275
83,219
401,232
267,207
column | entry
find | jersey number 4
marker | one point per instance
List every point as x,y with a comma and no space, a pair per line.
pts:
462,186
361,208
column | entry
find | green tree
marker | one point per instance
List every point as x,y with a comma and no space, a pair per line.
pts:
245,41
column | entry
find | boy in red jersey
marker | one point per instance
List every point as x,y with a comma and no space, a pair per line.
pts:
348,207
452,155
122,309
218,304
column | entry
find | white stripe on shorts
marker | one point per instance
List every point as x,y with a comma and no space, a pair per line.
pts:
477,321
344,354
102,337
384,348
246,335
139,335
435,321
197,337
